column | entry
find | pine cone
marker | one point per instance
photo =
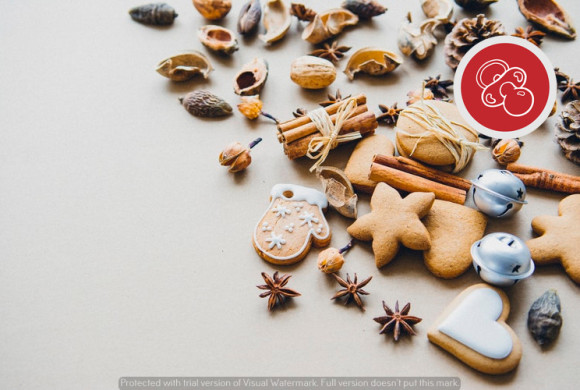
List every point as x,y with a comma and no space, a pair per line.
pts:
568,131
466,34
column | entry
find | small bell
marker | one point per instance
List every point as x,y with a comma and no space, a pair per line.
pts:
497,193
502,259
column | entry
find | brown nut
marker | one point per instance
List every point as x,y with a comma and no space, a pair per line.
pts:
330,260
212,9
506,151
311,72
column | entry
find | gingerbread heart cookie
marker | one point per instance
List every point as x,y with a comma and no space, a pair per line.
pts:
473,329
292,223
559,237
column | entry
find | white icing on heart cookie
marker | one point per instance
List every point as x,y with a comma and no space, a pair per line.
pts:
473,324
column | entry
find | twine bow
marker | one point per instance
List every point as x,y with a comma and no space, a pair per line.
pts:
320,146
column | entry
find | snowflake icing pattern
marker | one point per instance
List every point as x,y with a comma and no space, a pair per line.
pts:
281,211
275,241
308,218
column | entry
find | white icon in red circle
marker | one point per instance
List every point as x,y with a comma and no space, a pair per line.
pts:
504,86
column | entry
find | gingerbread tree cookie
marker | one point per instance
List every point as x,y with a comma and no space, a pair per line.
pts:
394,221
559,237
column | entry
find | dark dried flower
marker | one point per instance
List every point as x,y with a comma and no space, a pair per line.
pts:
301,12
561,77
389,115
438,86
276,290
337,97
331,52
364,9
299,112
397,320
352,290
530,34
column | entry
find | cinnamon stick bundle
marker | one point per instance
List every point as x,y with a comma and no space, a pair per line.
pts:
296,134
546,179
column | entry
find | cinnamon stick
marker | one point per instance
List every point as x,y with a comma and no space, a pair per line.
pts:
410,183
411,166
365,123
332,109
294,134
519,168
548,181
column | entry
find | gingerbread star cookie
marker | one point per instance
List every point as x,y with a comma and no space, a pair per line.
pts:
559,237
394,221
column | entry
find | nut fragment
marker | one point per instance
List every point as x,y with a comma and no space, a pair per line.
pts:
212,9
218,39
251,78
442,10
372,61
250,16
276,21
338,190
328,24
205,104
418,42
183,67
155,14
549,15
311,72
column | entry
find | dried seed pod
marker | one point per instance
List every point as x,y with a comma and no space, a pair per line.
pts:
218,39
549,15
328,24
474,4
251,106
205,104
311,72
338,190
236,156
364,9
331,260
418,42
442,10
155,14
183,67
250,16
251,78
276,21
544,318
506,151
212,9
372,61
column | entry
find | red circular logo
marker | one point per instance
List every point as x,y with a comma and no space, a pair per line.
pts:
505,87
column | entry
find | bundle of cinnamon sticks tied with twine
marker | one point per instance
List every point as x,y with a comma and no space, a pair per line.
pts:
321,130
410,176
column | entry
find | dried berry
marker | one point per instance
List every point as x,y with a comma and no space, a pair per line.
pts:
155,14
250,16
506,151
544,318
331,260
236,156
205,104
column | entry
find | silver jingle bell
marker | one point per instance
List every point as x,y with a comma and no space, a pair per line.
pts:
497,193
502,259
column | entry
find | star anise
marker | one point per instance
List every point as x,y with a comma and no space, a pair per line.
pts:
301,12
299,112
396,320
389,115
331,52
571,90
352,289
530,34
276,290
438,86
561,77
337,97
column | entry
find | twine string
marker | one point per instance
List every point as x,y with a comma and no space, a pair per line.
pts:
435,124
320,146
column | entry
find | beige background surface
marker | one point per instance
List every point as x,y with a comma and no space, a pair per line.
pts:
125,247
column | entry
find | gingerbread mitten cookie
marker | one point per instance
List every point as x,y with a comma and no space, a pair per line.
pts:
559,237
293,222
394,221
